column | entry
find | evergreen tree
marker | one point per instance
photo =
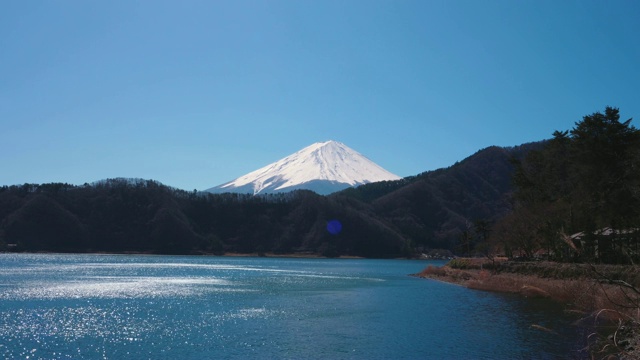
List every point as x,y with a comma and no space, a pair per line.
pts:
584,180
605,169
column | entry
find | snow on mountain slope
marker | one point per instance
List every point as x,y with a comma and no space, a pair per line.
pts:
323,167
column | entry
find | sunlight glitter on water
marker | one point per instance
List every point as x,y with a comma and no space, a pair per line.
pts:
113,280
132,266
247,314
119,287
117,307
52,330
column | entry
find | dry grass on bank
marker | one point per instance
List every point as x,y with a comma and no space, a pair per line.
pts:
585,289
577,287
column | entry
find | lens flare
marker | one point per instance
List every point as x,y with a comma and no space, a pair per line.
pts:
334,227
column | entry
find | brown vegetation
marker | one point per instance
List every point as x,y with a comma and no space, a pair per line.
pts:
573,284
603,295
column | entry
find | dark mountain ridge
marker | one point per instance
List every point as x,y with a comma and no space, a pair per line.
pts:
385,219
433,208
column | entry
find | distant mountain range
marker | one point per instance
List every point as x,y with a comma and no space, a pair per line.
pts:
378,219
323,167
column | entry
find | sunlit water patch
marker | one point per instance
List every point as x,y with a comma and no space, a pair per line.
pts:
118,287
163,307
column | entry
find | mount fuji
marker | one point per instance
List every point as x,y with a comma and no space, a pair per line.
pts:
323,167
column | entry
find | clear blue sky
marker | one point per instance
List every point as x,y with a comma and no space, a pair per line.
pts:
197,93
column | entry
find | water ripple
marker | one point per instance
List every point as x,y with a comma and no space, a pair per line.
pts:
118,287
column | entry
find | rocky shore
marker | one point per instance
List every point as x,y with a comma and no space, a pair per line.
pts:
604,296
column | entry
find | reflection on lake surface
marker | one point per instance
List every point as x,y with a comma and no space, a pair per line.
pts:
172,307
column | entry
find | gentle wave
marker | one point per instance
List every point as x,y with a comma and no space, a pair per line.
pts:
119,287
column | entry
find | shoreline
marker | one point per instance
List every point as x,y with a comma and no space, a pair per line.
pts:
557,281
599,304
230,254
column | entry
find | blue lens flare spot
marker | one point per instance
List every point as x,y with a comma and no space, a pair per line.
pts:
334,227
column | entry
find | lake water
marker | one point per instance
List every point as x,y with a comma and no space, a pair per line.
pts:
173,307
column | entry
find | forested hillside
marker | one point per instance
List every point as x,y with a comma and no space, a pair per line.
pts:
122,215
578,198
435,209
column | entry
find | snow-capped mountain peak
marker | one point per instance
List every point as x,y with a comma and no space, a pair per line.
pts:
323,167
